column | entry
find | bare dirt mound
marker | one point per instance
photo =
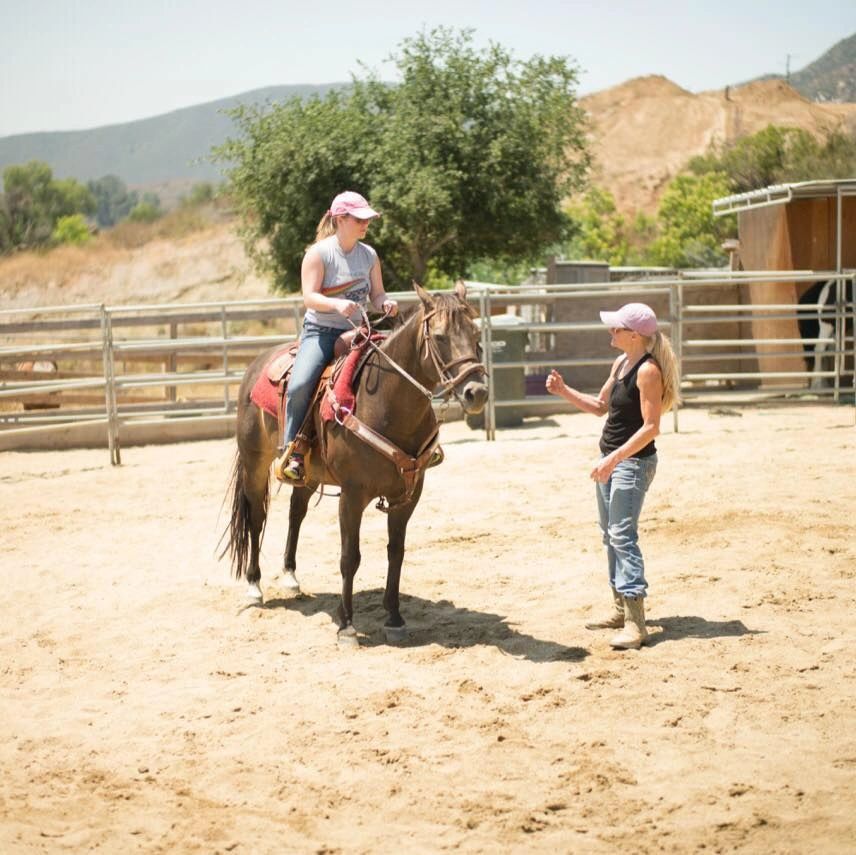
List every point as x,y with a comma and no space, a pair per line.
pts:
646,130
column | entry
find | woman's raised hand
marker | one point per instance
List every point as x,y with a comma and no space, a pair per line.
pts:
555,383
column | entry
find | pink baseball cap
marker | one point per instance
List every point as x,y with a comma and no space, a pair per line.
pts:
632,316
353,204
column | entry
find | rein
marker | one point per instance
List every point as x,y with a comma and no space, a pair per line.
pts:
364,337
408,467
446,380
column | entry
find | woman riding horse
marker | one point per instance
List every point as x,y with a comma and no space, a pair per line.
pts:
340,274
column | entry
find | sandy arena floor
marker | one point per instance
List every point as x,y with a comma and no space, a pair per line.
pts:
144,709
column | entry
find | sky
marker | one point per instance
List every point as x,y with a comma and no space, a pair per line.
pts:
75,64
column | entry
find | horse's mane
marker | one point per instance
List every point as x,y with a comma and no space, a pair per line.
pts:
444,303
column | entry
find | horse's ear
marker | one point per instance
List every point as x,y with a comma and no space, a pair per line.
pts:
423,295
461,290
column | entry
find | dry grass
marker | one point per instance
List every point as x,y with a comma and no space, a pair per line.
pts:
176,224
111,246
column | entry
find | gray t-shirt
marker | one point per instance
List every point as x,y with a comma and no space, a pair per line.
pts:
346,275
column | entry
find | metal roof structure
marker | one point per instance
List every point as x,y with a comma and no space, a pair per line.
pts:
781,194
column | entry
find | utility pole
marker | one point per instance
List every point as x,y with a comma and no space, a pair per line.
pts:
787,68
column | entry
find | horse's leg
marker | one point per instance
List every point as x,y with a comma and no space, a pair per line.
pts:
257,493
296,514
351,507
256,449
395,628
824,330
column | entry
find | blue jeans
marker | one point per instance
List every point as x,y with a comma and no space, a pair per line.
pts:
619,503
315,352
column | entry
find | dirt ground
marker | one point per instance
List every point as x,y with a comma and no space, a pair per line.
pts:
144,708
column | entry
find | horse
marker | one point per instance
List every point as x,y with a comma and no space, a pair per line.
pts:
436,345
818,328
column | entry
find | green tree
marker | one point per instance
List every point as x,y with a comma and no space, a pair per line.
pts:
153,200
600,232
145,212
643,232
689,234
113,200
6,244
777,155
200,194
33,202
834,157
468,157
753,161
71,229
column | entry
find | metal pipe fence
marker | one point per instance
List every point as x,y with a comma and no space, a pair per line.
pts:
686,311
740,364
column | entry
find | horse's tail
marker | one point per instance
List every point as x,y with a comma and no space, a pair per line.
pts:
240,523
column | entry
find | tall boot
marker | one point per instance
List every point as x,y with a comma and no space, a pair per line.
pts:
634,634
616,619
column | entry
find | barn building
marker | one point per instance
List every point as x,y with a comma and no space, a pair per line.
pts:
808,226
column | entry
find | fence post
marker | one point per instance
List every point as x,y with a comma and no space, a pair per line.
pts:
224,324
484,347
110,387
172,364
676,309
838,340
487,346
852,335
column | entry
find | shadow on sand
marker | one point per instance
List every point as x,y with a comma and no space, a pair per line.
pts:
675,628
433,622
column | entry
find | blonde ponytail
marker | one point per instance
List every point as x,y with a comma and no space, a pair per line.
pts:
326,227
659,346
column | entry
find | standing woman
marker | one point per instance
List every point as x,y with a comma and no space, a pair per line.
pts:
642,384
339,276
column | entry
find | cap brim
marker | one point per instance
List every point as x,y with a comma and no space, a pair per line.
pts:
610,319
364,213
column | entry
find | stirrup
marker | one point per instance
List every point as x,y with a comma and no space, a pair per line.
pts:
294,470
287,469
436,458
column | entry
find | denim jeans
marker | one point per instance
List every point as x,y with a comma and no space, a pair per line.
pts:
316,350
619,503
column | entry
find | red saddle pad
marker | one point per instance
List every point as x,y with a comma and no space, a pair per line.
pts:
265,392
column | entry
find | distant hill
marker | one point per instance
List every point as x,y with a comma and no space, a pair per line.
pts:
830,78
148,152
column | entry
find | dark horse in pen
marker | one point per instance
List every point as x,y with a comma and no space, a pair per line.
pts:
436,346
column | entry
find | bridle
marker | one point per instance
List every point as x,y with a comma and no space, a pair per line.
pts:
450,374
447,381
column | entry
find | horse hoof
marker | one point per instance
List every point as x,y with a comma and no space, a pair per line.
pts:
289,581
395,634
254,594
347,637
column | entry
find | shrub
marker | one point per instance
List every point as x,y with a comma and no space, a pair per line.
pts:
71,229
144,212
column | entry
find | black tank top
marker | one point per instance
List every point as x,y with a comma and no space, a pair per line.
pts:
625,413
